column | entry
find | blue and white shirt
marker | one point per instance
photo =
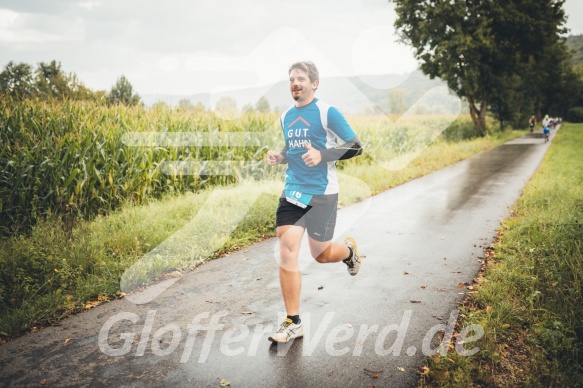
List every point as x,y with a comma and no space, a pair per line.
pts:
321,125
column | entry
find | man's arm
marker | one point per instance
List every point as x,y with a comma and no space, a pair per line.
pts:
274,158
340,127
347,150
284,155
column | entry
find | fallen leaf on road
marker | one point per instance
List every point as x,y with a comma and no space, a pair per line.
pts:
424,286
460,285
42,382
321,288
405,273
67,340
348,325
374,373
247,312
415,301
401,369
225,383
424,371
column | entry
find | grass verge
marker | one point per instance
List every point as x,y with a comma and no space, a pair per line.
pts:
53,273
529,296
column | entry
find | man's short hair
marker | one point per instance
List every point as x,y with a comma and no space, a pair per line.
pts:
307,67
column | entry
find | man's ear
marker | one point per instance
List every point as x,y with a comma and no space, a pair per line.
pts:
316,83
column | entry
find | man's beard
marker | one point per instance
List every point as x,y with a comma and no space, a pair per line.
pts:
297,97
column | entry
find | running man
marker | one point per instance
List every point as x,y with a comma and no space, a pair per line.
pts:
531,123
309,200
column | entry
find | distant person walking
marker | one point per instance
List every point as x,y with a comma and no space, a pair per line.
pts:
309,201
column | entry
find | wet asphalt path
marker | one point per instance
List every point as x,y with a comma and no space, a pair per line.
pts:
421,240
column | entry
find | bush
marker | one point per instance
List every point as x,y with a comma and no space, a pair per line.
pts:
575,115
461,130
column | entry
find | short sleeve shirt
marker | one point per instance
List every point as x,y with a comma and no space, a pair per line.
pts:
321,125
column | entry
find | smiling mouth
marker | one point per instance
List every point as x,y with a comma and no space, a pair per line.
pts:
296,93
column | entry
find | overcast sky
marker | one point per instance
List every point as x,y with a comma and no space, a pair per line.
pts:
183,47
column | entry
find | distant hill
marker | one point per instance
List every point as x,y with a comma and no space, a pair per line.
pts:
575,43
351,95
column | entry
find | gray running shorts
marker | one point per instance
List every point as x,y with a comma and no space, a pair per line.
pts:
319,218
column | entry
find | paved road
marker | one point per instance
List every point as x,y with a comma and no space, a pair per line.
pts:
420,240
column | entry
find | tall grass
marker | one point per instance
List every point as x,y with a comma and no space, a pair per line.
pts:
529,301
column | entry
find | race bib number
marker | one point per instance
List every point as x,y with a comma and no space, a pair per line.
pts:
298,198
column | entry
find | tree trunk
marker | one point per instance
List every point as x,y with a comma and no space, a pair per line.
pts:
478,115
483,111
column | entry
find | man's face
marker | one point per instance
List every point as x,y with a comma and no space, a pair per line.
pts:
300,86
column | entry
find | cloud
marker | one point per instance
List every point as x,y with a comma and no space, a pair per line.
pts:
53,7
102,39
574,10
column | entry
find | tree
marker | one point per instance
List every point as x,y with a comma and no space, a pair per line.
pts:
226,104
185,104
199,108
16,81
78,91
159,105
479,46
48,81
262,105
396,99
122,93
51,81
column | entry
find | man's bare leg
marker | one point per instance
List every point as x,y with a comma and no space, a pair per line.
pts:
290,280
333,252
328,251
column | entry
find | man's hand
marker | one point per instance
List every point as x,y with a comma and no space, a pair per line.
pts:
313,157
274,158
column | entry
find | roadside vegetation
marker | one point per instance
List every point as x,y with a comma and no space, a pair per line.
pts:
82,202
529,297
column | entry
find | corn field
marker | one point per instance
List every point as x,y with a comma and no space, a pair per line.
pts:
78,159
70,158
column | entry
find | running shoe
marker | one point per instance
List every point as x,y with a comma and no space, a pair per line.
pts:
287,331
354,261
